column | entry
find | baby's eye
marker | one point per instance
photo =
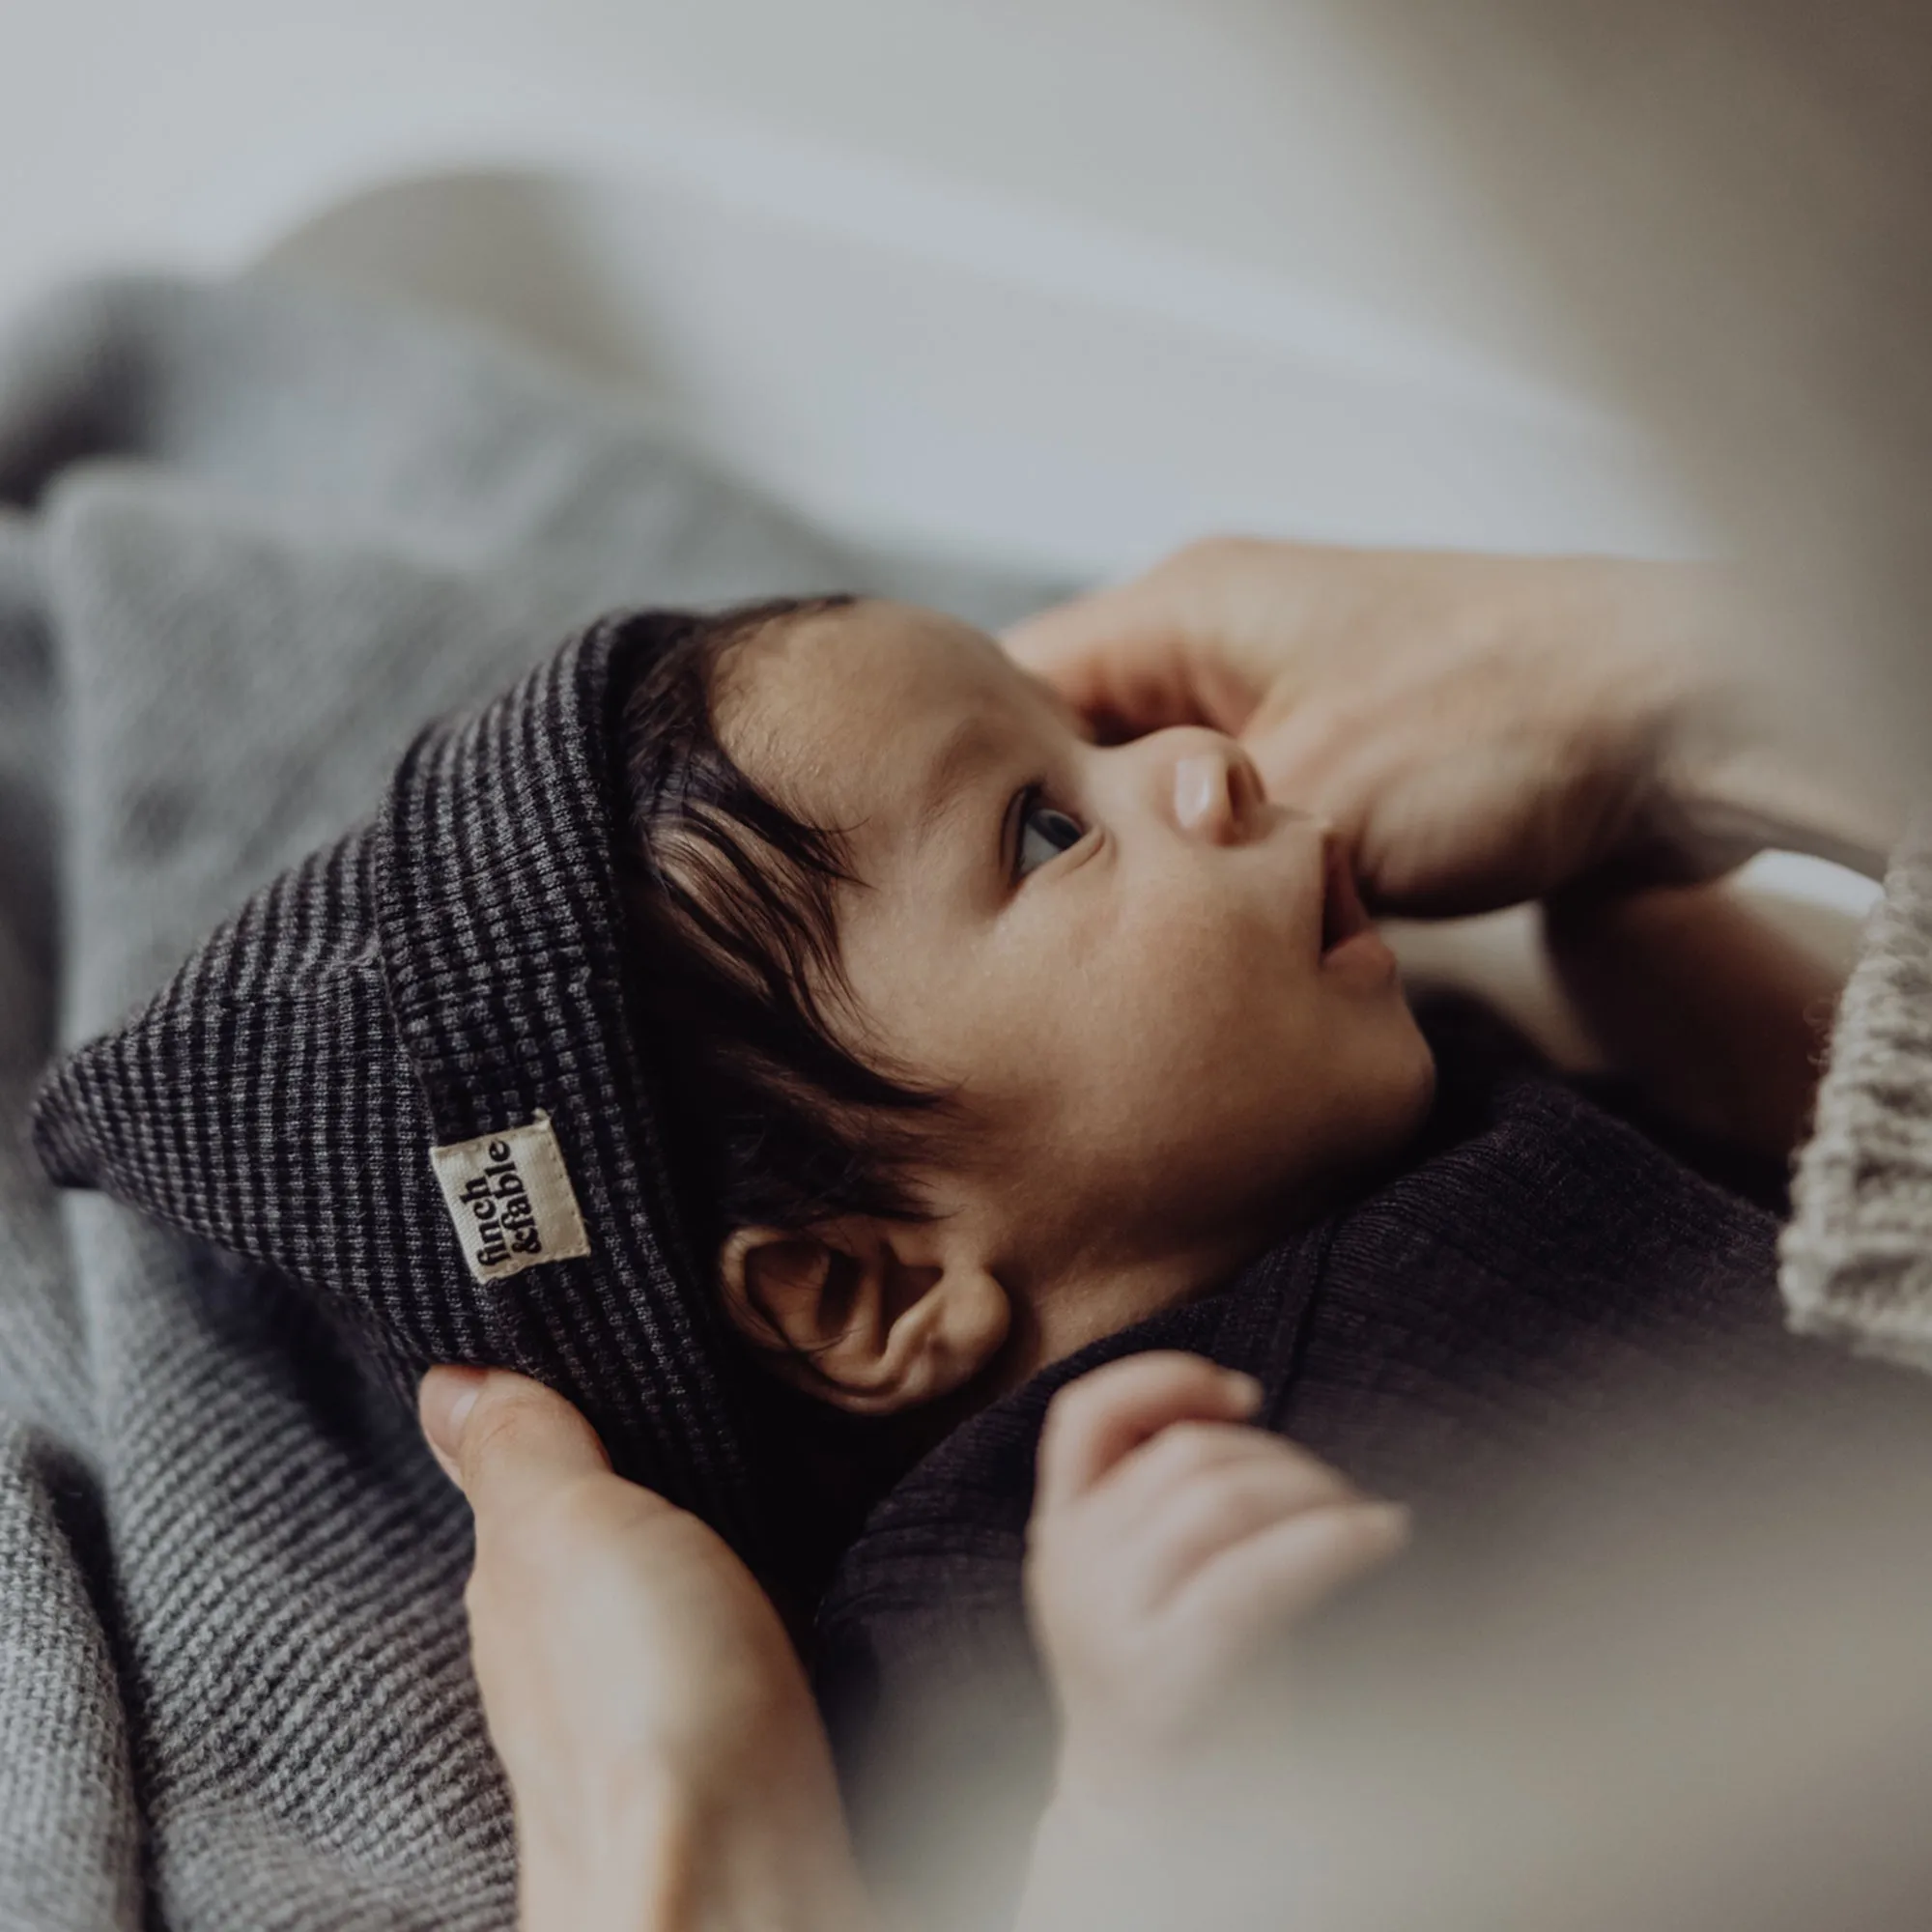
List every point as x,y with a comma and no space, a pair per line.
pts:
1045,831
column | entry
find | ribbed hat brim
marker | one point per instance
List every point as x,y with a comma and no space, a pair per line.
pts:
452,972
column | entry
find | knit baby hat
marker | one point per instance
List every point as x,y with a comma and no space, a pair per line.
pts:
410,1074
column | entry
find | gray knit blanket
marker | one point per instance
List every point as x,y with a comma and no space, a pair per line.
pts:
251,537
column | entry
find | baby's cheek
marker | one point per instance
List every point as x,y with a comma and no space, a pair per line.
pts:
1209,1059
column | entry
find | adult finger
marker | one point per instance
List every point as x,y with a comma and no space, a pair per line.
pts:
1095,1421
502,1438
1127,657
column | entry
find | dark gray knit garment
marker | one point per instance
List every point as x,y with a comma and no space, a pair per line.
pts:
407,1074
253,539
1558,1344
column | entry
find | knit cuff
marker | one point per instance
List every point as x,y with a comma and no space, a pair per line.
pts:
1857,1257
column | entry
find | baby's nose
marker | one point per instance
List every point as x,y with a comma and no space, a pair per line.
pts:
1218,793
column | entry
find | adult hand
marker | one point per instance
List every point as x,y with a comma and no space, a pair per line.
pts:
1478,729
665,1762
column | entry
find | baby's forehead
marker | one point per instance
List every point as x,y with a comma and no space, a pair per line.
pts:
915,653
840,711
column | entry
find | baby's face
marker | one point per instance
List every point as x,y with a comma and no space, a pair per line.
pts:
1133,968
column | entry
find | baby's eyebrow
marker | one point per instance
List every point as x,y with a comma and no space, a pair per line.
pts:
966,751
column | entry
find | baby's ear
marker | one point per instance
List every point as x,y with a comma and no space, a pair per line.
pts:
873,1316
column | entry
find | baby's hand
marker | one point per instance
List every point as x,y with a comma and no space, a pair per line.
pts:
1168,1542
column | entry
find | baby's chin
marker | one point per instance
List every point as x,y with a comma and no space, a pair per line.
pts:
1422,1095
1393,1106
1414,1091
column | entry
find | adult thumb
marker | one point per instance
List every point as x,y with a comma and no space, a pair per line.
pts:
1107,652
1130,660
500,1437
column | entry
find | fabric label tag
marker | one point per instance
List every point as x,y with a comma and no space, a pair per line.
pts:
510,1200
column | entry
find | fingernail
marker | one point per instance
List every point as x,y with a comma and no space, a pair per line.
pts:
444,1404
1245,1389
1390,1520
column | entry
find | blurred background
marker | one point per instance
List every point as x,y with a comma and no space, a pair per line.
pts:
1055,282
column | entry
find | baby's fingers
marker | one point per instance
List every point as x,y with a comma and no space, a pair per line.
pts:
1167,1534
1242,1597
1095,1421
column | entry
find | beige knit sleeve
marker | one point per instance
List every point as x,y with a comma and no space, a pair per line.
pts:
1857,1258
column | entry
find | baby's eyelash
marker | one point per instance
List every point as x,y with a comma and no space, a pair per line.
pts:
1017,807
1029,802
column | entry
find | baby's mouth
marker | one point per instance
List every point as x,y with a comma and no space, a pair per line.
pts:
1343,913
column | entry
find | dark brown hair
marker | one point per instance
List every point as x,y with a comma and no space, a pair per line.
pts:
780,1121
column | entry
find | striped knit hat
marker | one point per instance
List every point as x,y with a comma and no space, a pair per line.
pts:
409,1074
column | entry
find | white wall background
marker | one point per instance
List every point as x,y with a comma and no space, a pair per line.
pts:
1246,131
1068,279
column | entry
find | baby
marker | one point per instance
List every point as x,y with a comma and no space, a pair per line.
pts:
991,1041
1000,1048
